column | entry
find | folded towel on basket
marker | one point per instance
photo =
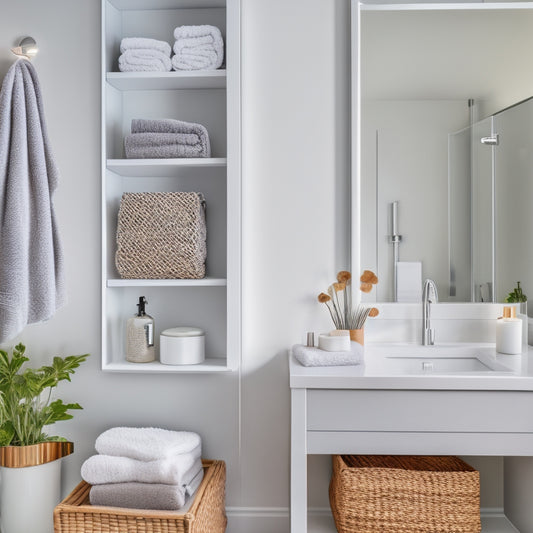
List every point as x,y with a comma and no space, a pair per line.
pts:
144,495
311,356
144,60
136,43
198,48
164,146
146,444
179,470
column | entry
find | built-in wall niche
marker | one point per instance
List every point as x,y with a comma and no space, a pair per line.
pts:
198,105
211,98
420,66
169,304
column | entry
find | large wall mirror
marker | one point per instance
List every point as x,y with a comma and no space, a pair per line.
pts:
446,144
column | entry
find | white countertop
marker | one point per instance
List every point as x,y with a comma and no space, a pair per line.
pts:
382,369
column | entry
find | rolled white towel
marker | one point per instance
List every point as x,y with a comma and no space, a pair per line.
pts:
136,43
145,60
146,444
179,470
198,48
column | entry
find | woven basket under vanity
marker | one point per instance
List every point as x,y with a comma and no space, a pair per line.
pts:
404,494
206,514
161,235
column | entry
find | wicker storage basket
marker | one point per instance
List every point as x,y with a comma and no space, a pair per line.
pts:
394,494
206,514
161,235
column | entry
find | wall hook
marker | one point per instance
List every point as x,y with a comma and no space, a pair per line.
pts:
27,48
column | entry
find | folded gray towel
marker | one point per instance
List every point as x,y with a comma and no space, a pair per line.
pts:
136,43
144,60
144,495
165,145
167,125
311,356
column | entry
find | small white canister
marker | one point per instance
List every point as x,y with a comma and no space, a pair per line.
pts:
184,345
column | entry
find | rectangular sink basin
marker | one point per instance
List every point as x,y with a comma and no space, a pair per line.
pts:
441,360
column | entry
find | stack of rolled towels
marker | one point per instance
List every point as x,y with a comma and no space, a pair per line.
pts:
144,468
142,54
198,48
166,138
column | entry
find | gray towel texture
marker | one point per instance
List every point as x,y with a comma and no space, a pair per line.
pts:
311,356
198,48
143,43
144,495
32,285
144,60
166,138
178,470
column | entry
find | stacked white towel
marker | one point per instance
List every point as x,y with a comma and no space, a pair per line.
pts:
144,468
142,54
198,48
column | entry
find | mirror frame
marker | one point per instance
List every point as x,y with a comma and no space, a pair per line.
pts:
395,310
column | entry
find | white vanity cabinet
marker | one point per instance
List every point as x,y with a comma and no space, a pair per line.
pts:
347,410
211,98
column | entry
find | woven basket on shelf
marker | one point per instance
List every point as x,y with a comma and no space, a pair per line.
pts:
206,514
404,494
161,235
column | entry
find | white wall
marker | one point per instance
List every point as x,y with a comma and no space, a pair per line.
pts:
295,174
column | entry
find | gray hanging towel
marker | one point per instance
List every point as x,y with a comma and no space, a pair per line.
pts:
31,261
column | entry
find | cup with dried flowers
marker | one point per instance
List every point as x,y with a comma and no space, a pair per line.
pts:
345,314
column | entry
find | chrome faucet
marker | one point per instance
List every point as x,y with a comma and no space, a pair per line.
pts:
429,296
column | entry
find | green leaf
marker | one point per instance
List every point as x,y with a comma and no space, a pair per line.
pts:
7,433
25,406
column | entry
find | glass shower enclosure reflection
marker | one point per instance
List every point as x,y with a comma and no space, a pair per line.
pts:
490,206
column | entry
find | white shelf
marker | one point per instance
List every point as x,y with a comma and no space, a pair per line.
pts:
142,81
136,168
490,523
210,97
209,365
204,282
139,5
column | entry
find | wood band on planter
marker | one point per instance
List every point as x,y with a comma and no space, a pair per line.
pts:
35,454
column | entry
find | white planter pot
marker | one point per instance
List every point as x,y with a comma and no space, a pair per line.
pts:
28,497
30,486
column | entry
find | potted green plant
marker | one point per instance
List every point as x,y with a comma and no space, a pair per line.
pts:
29,458
518,296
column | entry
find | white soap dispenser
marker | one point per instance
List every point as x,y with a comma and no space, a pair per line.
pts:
509,332
140,336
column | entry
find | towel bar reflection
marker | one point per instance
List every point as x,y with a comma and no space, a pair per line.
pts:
27,48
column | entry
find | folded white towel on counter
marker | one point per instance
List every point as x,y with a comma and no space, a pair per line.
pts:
144,60
198,48
311,356
136,43
146,444
144,495
179,470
